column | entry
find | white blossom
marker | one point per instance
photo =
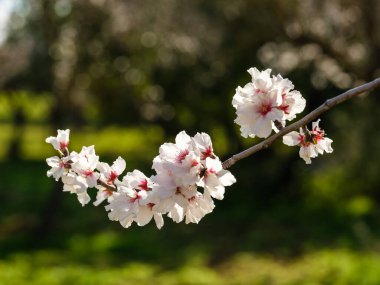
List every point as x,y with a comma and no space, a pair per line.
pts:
85,164
310,145
76,185
102,194
263,101
182,168
61,141
109,174
203,142
216,178
129,205
137,180
59,165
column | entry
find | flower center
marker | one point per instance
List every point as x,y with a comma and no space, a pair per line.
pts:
182,155
144,185
63,145
113,176
135,198
88,173
265,108
207,153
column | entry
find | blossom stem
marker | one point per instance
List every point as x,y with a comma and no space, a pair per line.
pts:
109,187
307,134
278,125
327,105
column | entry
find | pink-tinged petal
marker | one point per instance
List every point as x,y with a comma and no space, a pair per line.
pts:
213,165
291,139
180,200
315,125
164,206
275,97
53,141
93,161
63,138
299,104
182,140
53,161
327,145
226,178
159,220
262,127
101,196
144,215
83,198
177,213
206,203
103,167
68,179
127,222
276,115
193,215
56,172
304,154
92,179
216,191
119,165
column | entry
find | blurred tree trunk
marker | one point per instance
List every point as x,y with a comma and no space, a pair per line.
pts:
18,124
49,212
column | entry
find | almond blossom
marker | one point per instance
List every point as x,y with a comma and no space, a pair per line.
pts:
188,174
181,168
109,174
265,100
216,178
59,166
85,164
76,185
61,141
311,144
130,204
104,193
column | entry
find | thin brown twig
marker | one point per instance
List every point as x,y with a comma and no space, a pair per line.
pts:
327,105
107,186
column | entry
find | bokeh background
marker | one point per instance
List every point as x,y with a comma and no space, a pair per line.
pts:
127,76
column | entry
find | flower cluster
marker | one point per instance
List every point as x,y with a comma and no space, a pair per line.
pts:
264,102
182,169
188,174
311,143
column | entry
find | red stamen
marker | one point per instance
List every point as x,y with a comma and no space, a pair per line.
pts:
63,145
143,185
265,108
88,173
182,155
64,164
207,153
113,177
132,200
192,199
258,91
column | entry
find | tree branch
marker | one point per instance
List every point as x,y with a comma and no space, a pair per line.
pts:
330,103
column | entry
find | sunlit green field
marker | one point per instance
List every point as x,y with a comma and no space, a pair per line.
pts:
323,267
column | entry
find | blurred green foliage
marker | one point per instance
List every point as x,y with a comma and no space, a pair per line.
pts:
324,267
127,76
